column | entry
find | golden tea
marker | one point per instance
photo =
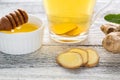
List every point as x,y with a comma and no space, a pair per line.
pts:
69,18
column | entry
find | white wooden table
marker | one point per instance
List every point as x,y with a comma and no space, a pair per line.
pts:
41,65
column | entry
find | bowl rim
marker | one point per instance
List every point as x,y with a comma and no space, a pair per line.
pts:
19,33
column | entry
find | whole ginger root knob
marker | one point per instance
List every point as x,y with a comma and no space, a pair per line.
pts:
108,28
112,42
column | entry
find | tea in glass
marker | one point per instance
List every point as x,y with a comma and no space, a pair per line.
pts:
69,20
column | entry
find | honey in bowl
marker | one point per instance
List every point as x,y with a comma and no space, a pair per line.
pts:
27,27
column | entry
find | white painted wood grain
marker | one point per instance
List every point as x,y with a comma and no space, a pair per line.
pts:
42,65
20,0
46,57
41,0
55,73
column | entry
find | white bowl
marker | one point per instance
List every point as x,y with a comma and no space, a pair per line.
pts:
23,43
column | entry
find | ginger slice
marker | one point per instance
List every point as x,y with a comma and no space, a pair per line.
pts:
93,58
70,60
79,30
74,32
63,28
82,52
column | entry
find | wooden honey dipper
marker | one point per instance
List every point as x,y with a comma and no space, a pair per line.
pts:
13,20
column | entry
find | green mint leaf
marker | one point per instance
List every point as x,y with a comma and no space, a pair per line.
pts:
114,18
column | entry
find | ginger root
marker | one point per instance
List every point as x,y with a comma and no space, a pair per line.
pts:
112,40
108,28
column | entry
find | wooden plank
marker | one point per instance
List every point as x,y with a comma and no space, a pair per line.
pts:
41,0
20,1
45,57
39,5
53,73
42,66
29,7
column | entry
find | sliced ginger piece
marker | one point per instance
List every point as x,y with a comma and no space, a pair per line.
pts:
93,58
70,60
80,29
82,52
63,28
74,32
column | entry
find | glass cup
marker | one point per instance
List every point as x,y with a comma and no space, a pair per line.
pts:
69,20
